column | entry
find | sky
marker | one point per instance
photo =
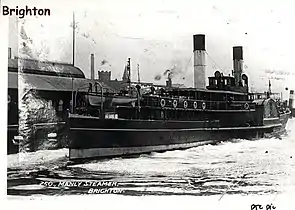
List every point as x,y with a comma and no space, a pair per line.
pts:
157,35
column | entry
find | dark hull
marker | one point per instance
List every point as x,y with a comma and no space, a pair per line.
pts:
92,138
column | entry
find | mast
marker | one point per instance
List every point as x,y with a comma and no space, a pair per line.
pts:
129,72
138,77
73,54
72,105
74,27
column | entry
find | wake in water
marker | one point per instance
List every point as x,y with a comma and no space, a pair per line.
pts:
264,166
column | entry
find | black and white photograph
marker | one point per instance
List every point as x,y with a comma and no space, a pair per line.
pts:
149,104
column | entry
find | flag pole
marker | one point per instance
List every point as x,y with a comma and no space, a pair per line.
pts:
74,27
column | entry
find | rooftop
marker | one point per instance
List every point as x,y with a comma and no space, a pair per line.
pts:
44,68
49,83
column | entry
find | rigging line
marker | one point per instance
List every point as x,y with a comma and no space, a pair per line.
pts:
214,61
186,66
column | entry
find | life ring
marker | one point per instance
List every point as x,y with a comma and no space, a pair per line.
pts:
195,105
162,102
174,103
246,106
185,104
203,105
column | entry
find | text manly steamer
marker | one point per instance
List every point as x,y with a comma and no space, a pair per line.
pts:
21,13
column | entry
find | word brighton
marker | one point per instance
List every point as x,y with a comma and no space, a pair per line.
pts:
21,13
106,191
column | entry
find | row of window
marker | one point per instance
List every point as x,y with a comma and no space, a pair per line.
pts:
60,105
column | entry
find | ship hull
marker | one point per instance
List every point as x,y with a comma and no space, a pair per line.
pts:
93,138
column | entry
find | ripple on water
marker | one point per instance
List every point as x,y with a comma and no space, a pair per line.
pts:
235,167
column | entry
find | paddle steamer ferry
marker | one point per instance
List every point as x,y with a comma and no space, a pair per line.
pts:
166,118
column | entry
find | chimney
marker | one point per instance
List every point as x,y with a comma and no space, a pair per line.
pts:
238,64
291,99
9,52
199,61
92,66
